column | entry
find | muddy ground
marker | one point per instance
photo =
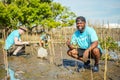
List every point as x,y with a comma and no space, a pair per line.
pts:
59,67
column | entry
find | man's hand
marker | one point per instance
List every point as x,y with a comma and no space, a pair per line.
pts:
69,45
68,42
85,55
26,43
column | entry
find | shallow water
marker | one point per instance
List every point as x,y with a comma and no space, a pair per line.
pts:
12,74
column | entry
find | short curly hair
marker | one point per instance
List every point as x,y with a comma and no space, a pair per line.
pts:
80,19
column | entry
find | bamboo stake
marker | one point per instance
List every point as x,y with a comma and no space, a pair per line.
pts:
91,67
49,46
52,50
32,49
117,63
102,30
51,59
106,53
105,73
65,35
61,55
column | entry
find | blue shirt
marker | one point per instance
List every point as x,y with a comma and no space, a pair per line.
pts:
84,39
10,39
43,37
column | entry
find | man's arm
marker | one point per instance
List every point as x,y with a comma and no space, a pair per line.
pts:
86,53
69,45
93,45
17,42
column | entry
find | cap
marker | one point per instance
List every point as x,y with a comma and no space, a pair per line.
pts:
80,19
23,28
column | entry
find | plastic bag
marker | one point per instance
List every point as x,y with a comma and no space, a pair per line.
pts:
42,52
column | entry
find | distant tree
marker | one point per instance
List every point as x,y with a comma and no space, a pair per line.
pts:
67,18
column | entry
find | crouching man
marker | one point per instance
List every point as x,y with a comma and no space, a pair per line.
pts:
86,40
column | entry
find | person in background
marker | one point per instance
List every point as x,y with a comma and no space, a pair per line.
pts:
44,38
84,45
13,44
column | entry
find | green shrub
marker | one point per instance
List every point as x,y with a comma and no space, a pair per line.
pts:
108,43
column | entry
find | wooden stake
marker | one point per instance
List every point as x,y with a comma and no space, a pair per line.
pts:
106,53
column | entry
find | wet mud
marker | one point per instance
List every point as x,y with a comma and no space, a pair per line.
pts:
57,67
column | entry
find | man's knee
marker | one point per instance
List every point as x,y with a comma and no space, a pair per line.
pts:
96,51
72,52
69,52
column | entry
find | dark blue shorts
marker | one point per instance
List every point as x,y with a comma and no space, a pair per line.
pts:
81,51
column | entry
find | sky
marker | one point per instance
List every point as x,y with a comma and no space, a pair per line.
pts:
95,10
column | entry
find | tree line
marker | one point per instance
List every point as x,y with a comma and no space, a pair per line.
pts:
46,13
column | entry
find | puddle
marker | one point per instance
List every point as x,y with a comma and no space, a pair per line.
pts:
12,74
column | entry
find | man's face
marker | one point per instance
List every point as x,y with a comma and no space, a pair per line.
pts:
22,32
81,26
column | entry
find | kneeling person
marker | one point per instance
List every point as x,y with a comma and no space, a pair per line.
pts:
13,43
